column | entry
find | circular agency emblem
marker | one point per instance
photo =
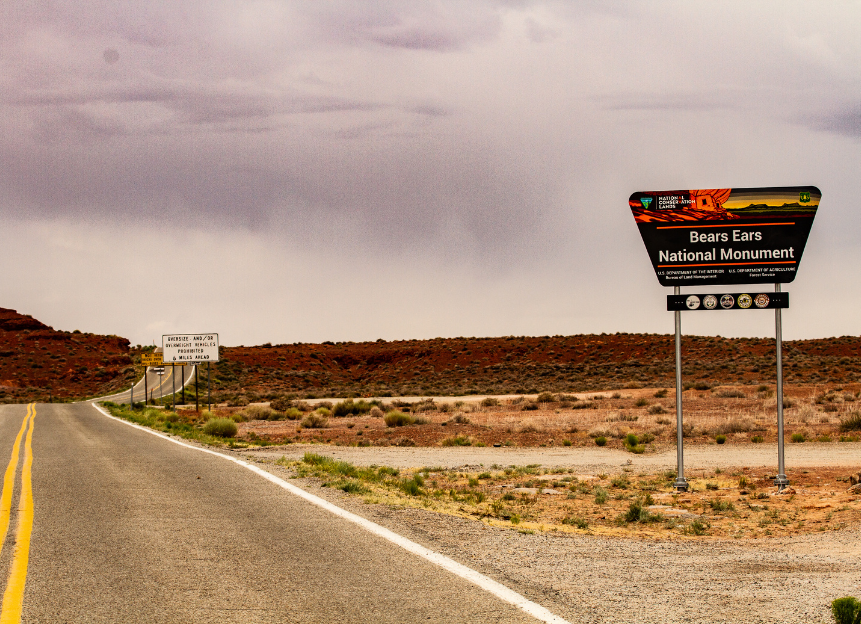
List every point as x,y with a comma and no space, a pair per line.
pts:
693,302
761,300
727,301
709,302
744,301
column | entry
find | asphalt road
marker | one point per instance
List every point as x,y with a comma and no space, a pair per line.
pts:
128,527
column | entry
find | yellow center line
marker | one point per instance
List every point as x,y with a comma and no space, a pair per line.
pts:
9,482
13,598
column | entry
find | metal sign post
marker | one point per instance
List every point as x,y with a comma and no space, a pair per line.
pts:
196,403
173,386
209,386
781,481
680,484
706,237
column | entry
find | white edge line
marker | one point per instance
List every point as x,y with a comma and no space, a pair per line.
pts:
486,583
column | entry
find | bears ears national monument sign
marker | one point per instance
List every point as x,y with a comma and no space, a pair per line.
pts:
726,236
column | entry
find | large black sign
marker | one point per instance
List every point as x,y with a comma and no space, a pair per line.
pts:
726,236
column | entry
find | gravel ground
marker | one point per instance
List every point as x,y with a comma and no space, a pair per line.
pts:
811,454
596,579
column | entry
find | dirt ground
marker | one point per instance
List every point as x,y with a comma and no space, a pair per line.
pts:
740,413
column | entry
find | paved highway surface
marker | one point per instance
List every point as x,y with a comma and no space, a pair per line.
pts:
123,526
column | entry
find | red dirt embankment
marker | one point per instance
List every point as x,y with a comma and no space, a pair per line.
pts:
38,362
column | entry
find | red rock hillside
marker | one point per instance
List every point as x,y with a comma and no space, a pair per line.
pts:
518,365
38,363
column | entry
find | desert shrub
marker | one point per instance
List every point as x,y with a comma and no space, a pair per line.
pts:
757,439
529,427
583,405
647,438
489,402
697,527
580,523
281,404
292,413
303,406
412,487
851,422
376,412
718,504
720,438
545,397
221,427
622,417
236,417
797,437
397,418
657,408
641,402
460,419
731,394
529,406
637,512
846,610
601,441
660,394
457,440
425,406
736,425
696,385
601,495
323,411
258,412
314,421
631,440
663,421
238,401
348,407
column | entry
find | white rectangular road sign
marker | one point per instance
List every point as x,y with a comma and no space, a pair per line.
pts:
194,348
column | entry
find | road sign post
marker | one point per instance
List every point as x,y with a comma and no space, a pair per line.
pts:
726,236
196,403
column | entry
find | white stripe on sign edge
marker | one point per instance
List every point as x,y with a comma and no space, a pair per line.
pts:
482,581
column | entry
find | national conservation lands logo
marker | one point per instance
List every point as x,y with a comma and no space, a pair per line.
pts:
725,236
693,302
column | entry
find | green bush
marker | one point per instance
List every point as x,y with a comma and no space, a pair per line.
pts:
720,438
348,407
846,610
221,427
580,523
757,439
397,419
292,414
601,495
797,437
601,441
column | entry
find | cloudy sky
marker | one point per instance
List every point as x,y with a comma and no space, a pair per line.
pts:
304,171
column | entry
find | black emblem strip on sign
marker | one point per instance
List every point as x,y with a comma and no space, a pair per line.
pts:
728,301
